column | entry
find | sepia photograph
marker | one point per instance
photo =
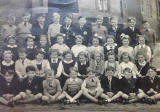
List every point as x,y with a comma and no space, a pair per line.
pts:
79,56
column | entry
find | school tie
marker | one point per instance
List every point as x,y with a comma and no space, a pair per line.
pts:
109,84
23,62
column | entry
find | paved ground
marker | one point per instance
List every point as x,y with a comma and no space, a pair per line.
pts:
84,108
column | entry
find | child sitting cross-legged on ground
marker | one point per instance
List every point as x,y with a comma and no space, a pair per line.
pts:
9,88
126,86
72,88
51,88
91,88
32,86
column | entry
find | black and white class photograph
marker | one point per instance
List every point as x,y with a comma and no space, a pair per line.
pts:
79,55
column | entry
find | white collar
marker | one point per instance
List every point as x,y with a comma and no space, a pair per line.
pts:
11,46
71,79
7,64
84,63
30,47
68,61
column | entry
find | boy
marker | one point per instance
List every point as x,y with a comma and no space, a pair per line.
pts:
23,29
60,45
72,88
51,88
32,86
142,47
99,30
110,84
31,48
83,29
21,64
149,87
150,34
126,86
9,88
54,29
40,27
76,49
91,87
132,31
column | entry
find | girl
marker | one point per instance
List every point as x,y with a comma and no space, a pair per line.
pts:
43,45
125,47
95,47
126,62
142,64
111,62
12,46
54,60
76,49
41,64
97,64
60,44
110,46
7,62
82,64
64,67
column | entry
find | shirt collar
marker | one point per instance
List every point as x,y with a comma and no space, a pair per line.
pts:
11,46
54,60
7,64
71,79
68,61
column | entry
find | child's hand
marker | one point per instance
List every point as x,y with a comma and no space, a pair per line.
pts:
84,33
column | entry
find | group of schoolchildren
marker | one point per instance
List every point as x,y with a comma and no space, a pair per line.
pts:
75,63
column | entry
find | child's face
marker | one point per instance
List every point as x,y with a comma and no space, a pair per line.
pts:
111,58
41,19
82,21
82,58
141,40
8,77
73,74
128,74
31,74
26,18
49,77
56,19
132,23
95,42
114,22
68,57
110,41
98,57
91,75
146,25
141,58
99,21
30,42
54,55
125,58
68,21
12,41
43,41
22,55
78,41
109,73
8,57
60,39
125,42
39,57
151,73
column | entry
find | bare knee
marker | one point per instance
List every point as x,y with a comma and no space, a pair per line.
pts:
39,95
45,98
